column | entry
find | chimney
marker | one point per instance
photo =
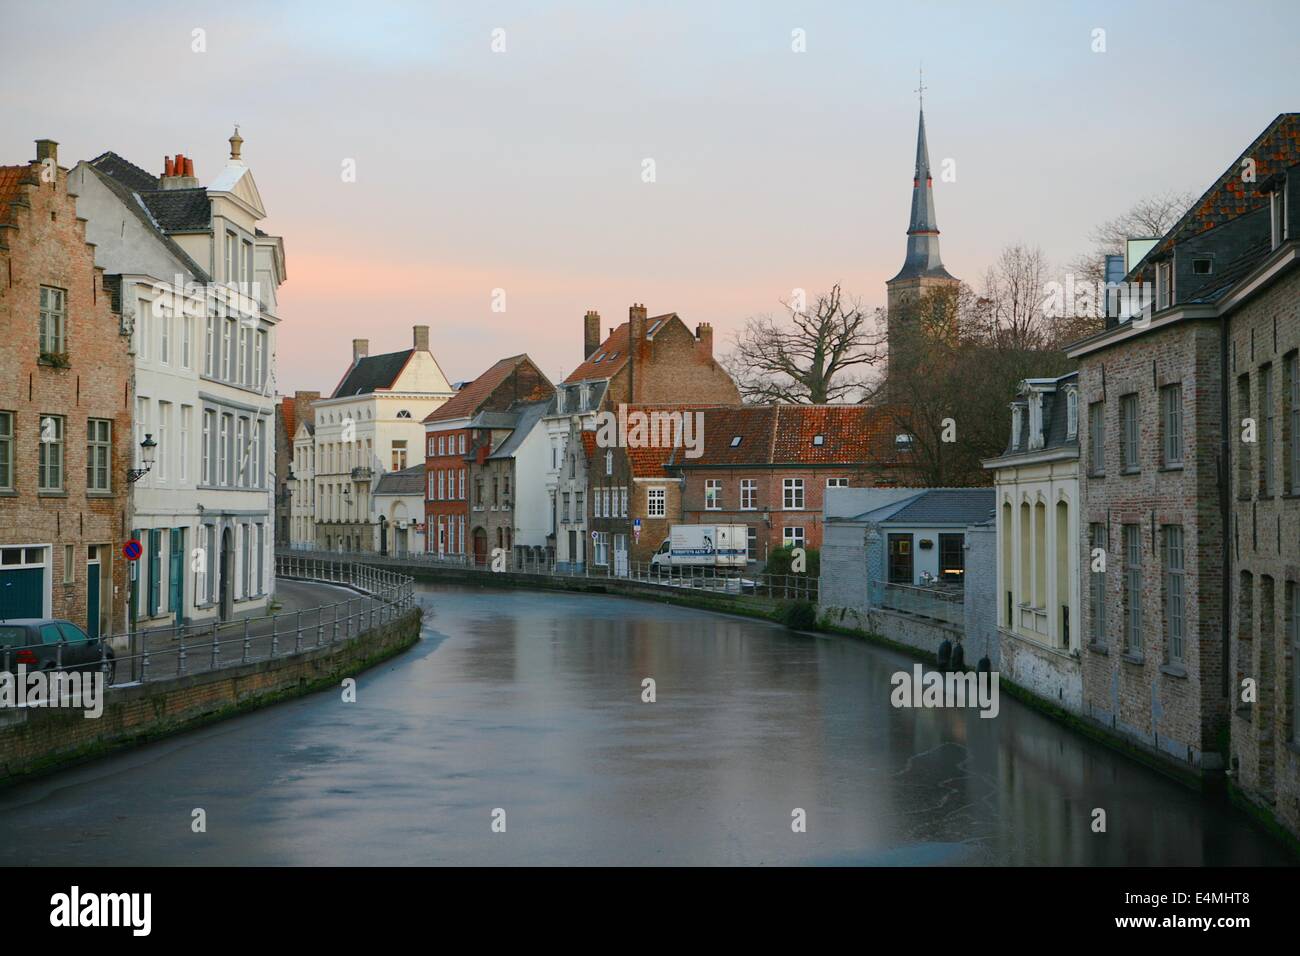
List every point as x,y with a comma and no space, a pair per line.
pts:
302,405
635,341
178,173
47,149
360,349
704,338
421,337
590,333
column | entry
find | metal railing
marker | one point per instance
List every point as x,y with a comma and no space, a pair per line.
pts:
940,604
737,582
161,653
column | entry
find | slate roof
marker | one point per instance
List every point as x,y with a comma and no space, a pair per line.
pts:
125,172
611,356
526,418
180,210
372,373
1055,421
1275,150
408,481
127,181
956,506
466,401
1232,273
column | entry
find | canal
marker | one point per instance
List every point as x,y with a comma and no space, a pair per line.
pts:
531,704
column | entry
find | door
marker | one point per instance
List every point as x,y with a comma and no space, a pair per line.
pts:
92,591
226,578
155,571
22,592
900,559
176,576
480,546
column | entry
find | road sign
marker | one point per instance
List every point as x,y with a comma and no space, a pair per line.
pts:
594,534
636,524
132,550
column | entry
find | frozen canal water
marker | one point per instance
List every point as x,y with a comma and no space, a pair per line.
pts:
531,703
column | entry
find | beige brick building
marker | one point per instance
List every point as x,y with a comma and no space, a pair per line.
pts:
65,399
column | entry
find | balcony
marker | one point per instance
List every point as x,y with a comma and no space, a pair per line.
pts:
362,473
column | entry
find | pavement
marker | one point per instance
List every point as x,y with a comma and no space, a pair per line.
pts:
306,616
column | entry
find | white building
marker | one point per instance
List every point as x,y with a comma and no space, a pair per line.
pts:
398,505
371,424
1038,578
198,289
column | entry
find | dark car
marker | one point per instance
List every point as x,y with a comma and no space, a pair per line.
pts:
48,643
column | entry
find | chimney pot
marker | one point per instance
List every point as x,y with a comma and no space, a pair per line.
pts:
47,149
420,338
360,349
169,167
189,167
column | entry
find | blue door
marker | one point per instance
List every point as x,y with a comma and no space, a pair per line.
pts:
92,597
22,592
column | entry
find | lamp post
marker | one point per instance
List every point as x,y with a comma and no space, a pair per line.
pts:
147,451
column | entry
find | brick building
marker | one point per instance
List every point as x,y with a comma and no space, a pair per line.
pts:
65,400
1161,395
291,410
647,359
450,436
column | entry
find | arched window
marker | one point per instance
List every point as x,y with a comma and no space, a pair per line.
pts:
403,414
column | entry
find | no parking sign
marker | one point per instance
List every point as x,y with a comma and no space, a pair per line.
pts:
132,550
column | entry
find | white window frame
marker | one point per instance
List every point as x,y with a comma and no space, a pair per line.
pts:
656,503
792,494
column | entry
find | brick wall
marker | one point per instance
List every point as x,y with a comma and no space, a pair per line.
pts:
44,245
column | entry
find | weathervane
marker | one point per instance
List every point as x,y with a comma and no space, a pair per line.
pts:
920,86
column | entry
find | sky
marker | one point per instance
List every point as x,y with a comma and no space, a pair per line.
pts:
500,148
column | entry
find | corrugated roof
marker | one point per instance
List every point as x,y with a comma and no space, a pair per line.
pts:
372,373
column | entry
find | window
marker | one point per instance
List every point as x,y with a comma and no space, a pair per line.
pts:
1243,449
735,441
430,494
247,273
227,329
1266,449
792,537
232,258
656,502
567,514
748,494
1132,589
792,494
50,471
622,511
223,452
1098,536
605,503
6,450
713,494
164,338
1277,214
1171,424
403,414
1202,266
900,558
99,450
462,484
187,341
441,448
206,457
399,454
1016,412
209,346
1246,607
241,453
609,462
1174,602
1097,438
258,445
837,482
462,443
752,543
1291,425
69,574
187,414
163,452
819,440
54,316
1292,611
1071,413
601,556
1128,420
952,557
241,366
259,359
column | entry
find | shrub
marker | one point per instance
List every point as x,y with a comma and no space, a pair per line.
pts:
778,562
797,615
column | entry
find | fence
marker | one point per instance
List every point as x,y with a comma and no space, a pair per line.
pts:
162,653
722,581
946,605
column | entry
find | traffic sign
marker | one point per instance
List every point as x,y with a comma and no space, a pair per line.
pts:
132,550
594,534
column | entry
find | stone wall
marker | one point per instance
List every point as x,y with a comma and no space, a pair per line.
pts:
38,740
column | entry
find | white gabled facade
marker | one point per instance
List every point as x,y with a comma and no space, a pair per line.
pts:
198,289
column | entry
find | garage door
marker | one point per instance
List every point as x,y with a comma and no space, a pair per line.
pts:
22,592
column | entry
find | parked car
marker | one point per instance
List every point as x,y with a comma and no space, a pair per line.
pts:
43,642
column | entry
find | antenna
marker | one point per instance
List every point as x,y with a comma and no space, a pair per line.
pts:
920,86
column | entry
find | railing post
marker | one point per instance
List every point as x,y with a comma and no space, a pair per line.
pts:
275,638
216,648
334,632
144,656
247,639
180,656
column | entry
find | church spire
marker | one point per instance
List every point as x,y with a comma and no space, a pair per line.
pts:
923,229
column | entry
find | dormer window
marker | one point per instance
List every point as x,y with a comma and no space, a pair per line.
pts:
1015,426
1071,413
1278,213
1036,420
819,440
582,398
1164,285
559,399
1202,266
903,442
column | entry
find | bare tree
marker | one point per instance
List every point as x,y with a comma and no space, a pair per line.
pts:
814,357
1149,217
1014,290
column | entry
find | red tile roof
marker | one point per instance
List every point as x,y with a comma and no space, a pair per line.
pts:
10,190
467,401
613,352
1273,151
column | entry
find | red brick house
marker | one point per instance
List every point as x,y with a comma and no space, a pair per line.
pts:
450,447
65,398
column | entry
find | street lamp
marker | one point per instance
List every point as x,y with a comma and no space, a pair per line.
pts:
147,449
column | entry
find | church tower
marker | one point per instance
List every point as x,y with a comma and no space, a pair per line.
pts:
922,269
